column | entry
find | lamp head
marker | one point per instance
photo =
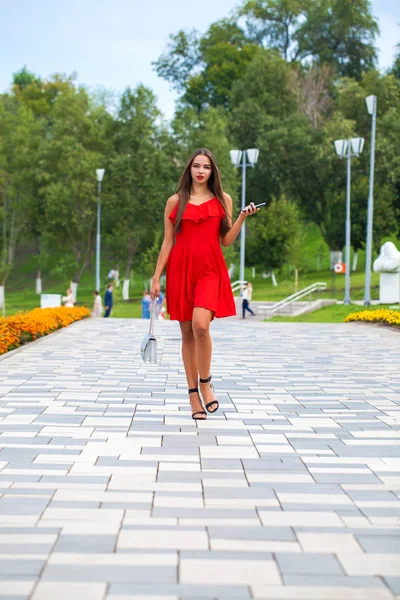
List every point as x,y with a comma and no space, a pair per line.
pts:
371,104
236,157
100,174
252,155
341,147
357,145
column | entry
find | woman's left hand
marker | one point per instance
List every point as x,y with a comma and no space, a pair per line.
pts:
249,210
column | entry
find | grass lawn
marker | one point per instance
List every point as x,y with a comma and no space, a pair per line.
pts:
20,290
27,300
329,314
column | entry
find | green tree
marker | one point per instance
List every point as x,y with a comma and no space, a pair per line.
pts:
19,139
261,98
293,116
275,23
395,70
265,116
181,58
24,78
40,97
205,68
351,103
338,33
141,177
75,147
273,235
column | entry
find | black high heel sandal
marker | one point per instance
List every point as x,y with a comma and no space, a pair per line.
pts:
198,412
213,402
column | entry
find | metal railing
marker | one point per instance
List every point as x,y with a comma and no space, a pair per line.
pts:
271,310
236,285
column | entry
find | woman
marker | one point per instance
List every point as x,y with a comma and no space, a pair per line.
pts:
199,217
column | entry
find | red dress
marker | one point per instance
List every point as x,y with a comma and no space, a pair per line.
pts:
196,269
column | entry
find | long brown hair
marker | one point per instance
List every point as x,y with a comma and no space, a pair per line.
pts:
214,184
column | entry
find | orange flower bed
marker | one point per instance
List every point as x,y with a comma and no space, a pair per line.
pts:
25,327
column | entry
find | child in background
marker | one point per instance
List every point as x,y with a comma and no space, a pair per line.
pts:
98,307
108,300
146,305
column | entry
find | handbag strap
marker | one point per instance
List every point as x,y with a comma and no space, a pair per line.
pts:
152,316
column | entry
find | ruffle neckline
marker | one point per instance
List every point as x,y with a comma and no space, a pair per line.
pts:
200,212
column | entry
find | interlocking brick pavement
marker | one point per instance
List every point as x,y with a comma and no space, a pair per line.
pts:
108,489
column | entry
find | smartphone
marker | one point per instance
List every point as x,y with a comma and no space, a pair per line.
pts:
257,206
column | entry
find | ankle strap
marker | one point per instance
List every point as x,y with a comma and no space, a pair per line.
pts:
205,380
192,390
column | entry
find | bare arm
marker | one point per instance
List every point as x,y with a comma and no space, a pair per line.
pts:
232,234
166,246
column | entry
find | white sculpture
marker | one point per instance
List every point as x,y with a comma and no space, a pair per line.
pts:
388,265
389,259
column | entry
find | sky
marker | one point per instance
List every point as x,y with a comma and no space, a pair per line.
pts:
111,44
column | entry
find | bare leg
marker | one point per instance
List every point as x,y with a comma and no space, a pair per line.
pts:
190,364
201,330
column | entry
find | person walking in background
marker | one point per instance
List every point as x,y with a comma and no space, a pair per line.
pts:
197,220
146,305
68,300
159,304
97,307
108,300
246,297
111,274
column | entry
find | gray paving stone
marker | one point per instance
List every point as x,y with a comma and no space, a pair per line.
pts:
85,543
20,506
112,574
384,545
220,555
323,564
264,464
223,592
228,463
393,583
345,478
10,549
251,533
14,567
334,581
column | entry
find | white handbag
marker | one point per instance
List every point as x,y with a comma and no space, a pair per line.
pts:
148,347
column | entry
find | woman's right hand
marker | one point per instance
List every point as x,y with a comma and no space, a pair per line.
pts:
250,209
155,288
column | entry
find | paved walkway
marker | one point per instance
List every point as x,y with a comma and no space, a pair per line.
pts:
108,490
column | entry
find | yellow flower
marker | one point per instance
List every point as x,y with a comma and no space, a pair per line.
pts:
381,315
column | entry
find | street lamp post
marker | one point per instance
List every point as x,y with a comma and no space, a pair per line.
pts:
99,176
243,158
348,148
371,107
